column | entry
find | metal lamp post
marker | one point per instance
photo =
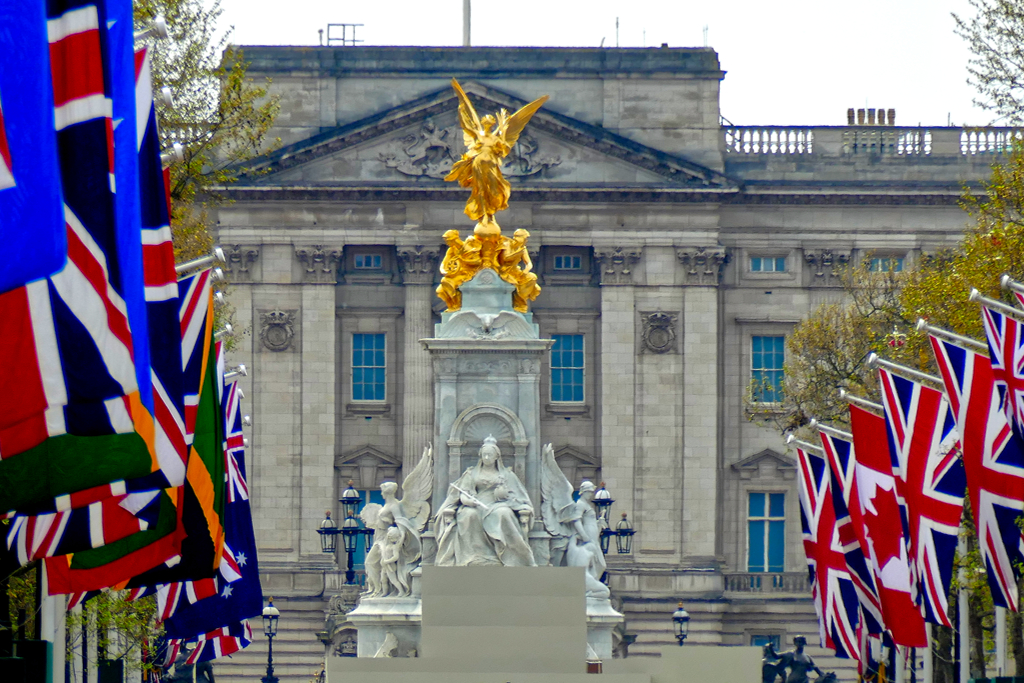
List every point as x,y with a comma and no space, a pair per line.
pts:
624,536
351,530
270,616
603,502
681,622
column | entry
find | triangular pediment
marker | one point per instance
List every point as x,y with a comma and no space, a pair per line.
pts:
415,144
366,467
763,463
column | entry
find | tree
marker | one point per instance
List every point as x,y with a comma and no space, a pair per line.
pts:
995,36
220,117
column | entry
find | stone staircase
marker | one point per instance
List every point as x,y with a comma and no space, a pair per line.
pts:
297,652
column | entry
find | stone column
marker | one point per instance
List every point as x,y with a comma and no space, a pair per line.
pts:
418,266
618,374
318,373
701,409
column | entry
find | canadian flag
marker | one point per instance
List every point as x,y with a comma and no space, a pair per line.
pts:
6,169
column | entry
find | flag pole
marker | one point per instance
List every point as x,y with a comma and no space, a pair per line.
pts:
1000,641
900,662
961,614
926,655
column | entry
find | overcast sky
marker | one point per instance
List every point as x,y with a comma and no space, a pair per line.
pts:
787,61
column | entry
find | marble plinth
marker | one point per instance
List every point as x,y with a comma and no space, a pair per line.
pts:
602,618
374,618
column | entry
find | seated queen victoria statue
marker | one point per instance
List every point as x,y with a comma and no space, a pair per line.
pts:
486,518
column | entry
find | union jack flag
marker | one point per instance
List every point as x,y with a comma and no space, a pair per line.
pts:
993,462
237,488
930,478
842,462
832,587
1006,352
6,167
221,642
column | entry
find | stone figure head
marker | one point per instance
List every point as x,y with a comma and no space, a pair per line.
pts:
587,490
489,453
389,489
799,642
394,535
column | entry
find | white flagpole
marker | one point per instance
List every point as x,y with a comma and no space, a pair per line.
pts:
926,656
901,669
1000,641
52,628
465,23
963,627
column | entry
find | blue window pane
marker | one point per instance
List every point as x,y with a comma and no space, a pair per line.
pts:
777,505
378,376
378,358
357,341
755,534
755,505
357,392
780,264
755,263
776,546
567,367
369,365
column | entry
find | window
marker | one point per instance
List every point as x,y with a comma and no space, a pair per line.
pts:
567,368
766,358
367,261
368,366
766,532
764,264
567,262
889,264
762,639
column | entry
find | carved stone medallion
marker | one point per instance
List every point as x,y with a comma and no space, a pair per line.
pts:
276,331
659,335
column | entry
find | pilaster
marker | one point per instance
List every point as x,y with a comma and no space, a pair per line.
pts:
618,373
701,409
418,266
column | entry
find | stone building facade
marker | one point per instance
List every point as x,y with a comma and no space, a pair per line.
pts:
675,253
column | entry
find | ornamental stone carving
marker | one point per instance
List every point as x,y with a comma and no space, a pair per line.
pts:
277,329
615,264
239,261
418,264
704,265
430,153
320,264
824,265
659,332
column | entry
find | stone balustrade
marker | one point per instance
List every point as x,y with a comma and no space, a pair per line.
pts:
850,141
767,582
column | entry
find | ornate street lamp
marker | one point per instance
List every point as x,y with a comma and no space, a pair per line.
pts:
603,502
681,622
350,500
624,536
270,616
328,534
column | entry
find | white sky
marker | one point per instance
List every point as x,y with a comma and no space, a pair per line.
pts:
788,62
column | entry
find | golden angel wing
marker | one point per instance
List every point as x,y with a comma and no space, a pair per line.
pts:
517,122
468,119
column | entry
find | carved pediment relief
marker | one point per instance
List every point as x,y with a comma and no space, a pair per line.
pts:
367,467
766,464
417,142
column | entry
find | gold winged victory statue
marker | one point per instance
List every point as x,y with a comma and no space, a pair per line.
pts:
488,142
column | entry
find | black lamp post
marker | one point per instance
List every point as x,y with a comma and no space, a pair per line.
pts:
351,532
350,500
681,622
270,616
328,533
624,536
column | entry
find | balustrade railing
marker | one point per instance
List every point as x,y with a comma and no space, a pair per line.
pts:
768,140
883,141
767,582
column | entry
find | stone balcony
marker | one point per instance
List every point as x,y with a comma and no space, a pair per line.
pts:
779,583
863,153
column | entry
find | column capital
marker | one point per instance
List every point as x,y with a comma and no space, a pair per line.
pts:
615,264
704,265
239,261
824,262
418,264
320,263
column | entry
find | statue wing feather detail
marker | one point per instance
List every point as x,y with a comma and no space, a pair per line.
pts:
555,493
515,124
417,487
370,513
468,118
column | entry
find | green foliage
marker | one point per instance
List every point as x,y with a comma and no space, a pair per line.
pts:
995,36
122,628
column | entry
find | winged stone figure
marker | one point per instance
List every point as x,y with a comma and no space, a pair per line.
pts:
401,548
573,524
488,142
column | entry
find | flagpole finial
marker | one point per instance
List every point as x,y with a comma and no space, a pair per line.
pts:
872,360
813,424
974,295
921,324
1005,281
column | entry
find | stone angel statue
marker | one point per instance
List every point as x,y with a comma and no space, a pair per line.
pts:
488,142
397,526
573,525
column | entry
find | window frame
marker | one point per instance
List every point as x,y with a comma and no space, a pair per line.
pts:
582,368
575,259
765,519
353,367
762,259
778,392
372,255
875,264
